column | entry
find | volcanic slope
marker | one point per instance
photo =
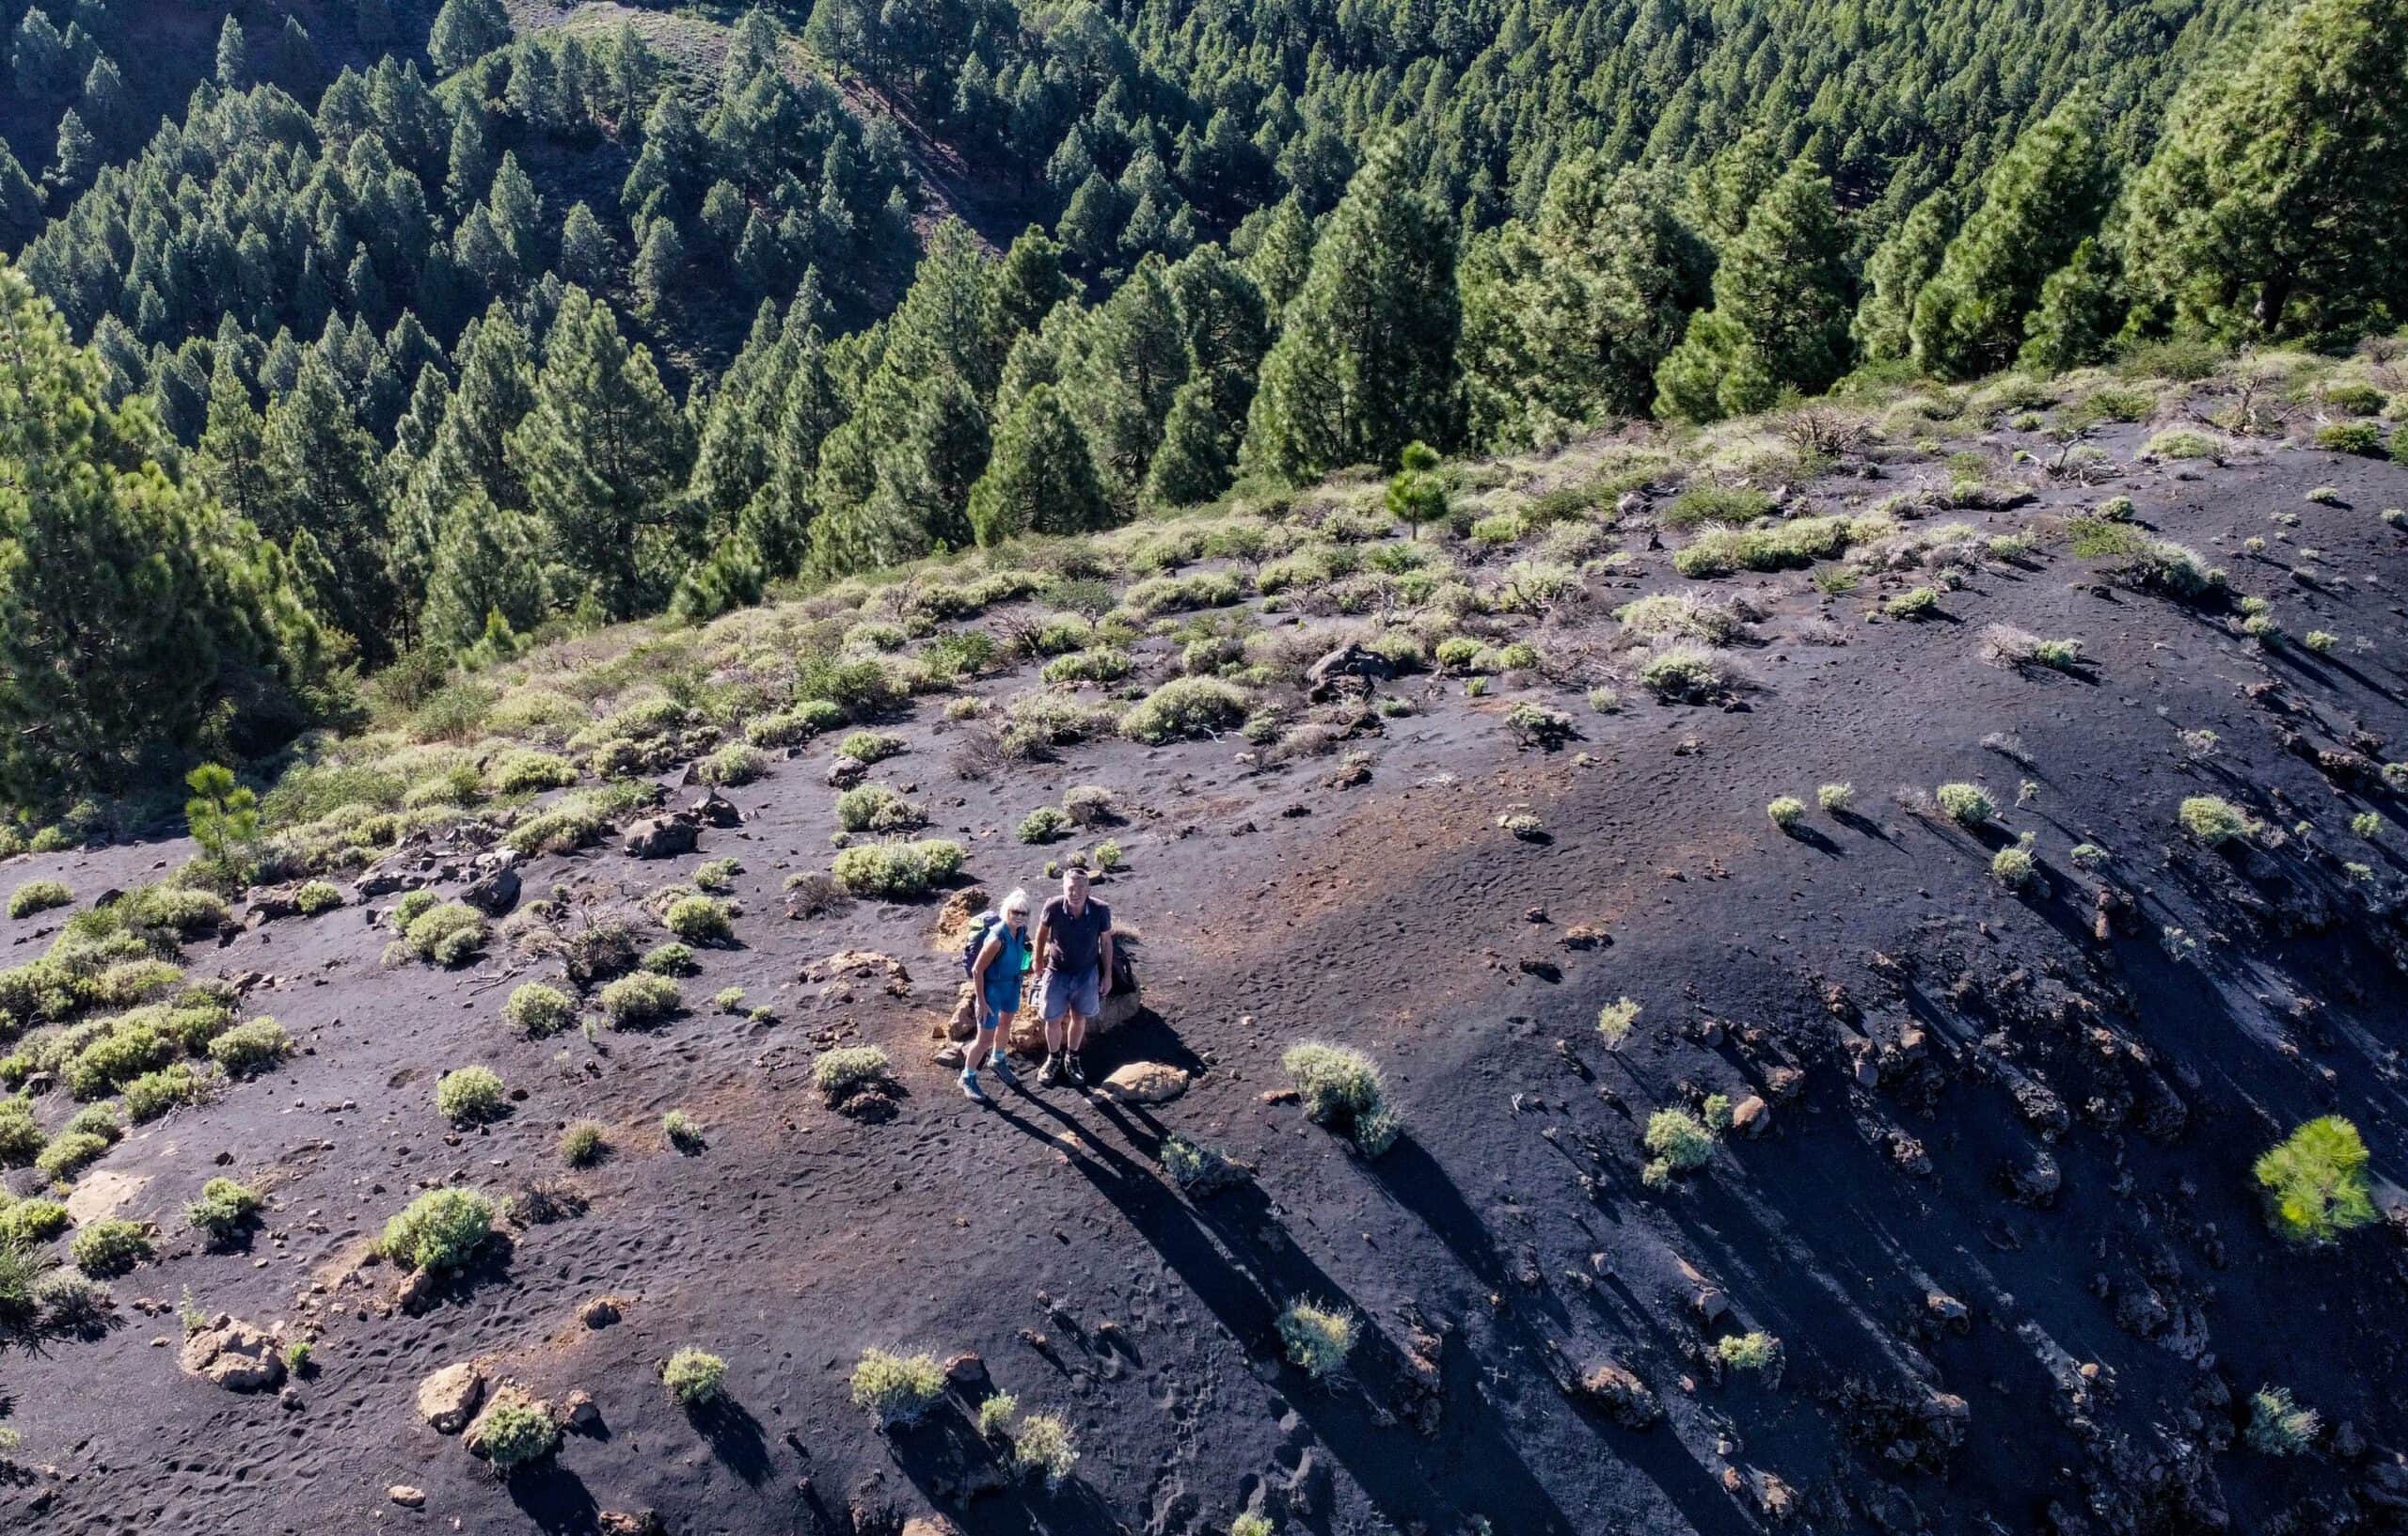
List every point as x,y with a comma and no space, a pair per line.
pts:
1972,1240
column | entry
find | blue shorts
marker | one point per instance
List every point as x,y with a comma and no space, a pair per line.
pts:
1064,993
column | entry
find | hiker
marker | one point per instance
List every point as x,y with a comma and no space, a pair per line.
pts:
1074,942
997,957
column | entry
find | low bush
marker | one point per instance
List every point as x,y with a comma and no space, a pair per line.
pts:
2278,1425
634,1001
2214,821
1615,1020
1755,1351
537,1010
1105,664
316,896
2014,867
683,1131
694,1379
1786,811
450,935
33,1220
153,1094
223,1208
876,808
1679,1141
896,871
845,1070
1536,725
670,959
21,1134
1043,1445
1341,1088
1967,804
73,1303
2315,1181
1044,825
699,920
1681,673
2364,438
584,1143
251,1047
1185,708
898,1388
525,772
104,1249
438,1231
1835,797
513,1431
470,1096
1914,603
70,1153
1318,1338
38,897
738,762
867,747
1716,504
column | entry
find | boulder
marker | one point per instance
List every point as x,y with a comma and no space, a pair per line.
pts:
845,773
1350,666
1751,1116
716,810
1145,1083
929,1524
629,1523
237,1355
449,1399
664,837
492,893
406,1496
1620,1396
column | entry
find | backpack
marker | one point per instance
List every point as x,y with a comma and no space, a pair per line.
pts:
981,929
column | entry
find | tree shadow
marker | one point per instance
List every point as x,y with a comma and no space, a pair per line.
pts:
555,1498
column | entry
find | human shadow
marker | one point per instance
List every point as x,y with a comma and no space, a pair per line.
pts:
1234,1253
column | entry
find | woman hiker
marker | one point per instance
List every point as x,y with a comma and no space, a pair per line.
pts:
995,977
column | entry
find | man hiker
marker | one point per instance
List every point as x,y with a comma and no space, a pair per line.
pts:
1074,945
999,957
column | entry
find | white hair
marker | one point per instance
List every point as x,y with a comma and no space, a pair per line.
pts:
1017,900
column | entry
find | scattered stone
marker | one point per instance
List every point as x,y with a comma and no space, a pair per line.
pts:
495,892
449,1398
1948,1310
406,1496
1280,1095
1620,1396
845,773
630,1523
237,1355
1350,667
664,837
965,1370
578,1411
716,810
1145,1083
1751,1116
600,1312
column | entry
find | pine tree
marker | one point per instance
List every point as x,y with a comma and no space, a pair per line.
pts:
1040,479
1897,274
21,203
464,31
2276,204
605,453
2037,204
2079,310
1131,358
1028,283
130,603
78,156
321,474
1415,495
1365,362
660,264
1779,314
1198,453
489,561
296,66
587,255
1282,256
233,444
233,56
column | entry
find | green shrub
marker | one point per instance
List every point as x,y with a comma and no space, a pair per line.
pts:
1043,1445
2320,640
125,1052
1318,1338
1968,806
223,1208
841,1072
682,1132
316,896
671,959
738,762
537,1010
2361,437
450,935
699,920
2013,868
38,897
21,1134
251,1047
524,772
1679,1140
896,871
2315,1181
898,1388
1044,825
1748,1350
1679,672
635,1001
1253,1523
584,1143
470,1096
995,1412
32,1221
1835,797
1914,603
1341,1088
2212,819
2279,1426
413,905
438,1231
153,1094
70,1153
513,1431
694,1379
876,808
1615,1020
1786,810
1185,708
104,1249
1195,1169
1716,504
867,747
1105,664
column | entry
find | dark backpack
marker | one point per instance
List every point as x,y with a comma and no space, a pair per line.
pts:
980,929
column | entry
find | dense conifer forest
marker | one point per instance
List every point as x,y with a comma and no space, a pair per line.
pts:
358,336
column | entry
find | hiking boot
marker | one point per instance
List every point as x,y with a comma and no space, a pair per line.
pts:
1072,1072
1002,1069
971,1091
1050,1075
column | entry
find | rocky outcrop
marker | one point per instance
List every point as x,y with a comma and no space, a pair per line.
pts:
449,1399
237,1355
1620,1396
664,836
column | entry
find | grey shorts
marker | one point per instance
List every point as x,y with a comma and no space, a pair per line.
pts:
1078,994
